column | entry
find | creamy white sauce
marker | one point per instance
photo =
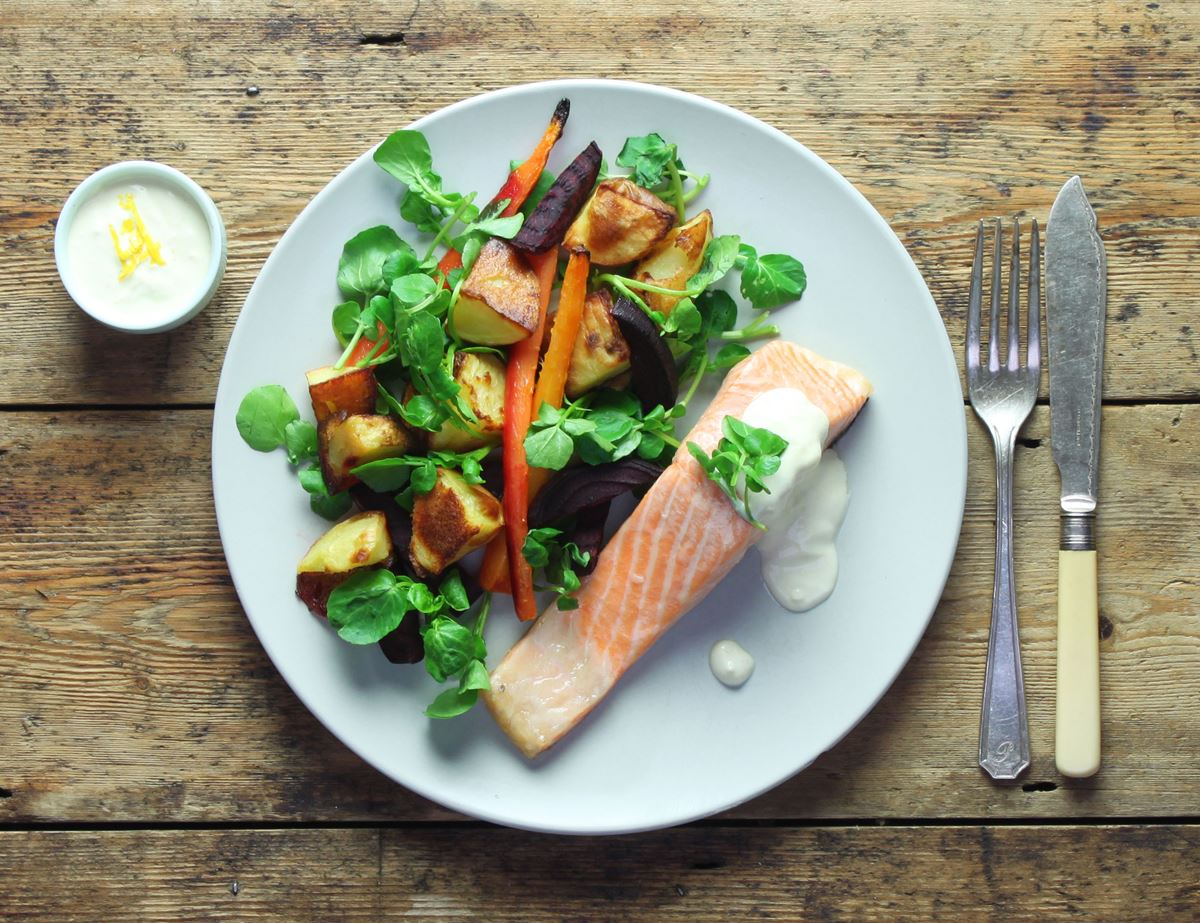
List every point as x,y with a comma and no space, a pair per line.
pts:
171,221
807,504
730,663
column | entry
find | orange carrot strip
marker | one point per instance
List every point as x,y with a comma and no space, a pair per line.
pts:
551,388
522,180
518,407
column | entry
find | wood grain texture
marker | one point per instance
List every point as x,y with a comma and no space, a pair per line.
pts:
941,113
133,688
696,875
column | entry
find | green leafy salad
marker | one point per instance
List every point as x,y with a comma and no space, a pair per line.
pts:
498,375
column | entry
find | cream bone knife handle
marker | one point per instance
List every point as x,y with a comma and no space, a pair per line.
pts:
1077,713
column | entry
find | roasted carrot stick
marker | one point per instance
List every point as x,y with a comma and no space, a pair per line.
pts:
522,179
551,387
518,405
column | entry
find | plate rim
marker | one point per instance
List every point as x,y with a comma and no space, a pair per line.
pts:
949,369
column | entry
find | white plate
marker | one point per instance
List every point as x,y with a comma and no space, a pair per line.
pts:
670,744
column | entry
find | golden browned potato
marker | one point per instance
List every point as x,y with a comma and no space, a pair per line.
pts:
348,390
346,442
675,260
354,543
480,380
451,521
600,352
499,302
620,223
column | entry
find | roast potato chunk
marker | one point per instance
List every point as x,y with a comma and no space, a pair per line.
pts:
499,301
620,223
348,390
451,521
354,543
345,442
675,260
600,352
480,380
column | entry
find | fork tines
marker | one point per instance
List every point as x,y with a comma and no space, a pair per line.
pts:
1013,361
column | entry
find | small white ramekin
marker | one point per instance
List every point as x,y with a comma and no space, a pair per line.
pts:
133,171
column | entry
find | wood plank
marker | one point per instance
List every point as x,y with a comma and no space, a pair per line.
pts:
692,874
940,115
132,688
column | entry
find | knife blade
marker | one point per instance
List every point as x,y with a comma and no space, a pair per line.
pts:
1076,292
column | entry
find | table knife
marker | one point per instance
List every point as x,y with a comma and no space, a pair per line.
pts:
1076,289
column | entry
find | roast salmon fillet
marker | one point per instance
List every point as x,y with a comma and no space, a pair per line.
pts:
649,575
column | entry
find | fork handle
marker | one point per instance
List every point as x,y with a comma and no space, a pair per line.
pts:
1003,727
1077,708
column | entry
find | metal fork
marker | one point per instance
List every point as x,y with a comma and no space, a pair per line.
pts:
1003,395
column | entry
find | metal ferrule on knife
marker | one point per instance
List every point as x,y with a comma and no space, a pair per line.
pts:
1077,531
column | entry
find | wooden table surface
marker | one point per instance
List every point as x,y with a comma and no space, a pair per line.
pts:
153,765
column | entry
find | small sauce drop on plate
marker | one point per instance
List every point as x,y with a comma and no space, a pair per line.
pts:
730,663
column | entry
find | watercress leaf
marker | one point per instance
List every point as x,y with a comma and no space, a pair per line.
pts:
453,591
577,426
368,606
406,155
384,474
423,599
451,703
536,549
651,446
579,557
360,268
548,414
404,499
719,311
424,477
470,252
548,448
423,413
417,211
684,319
413,288
449,647
313,481
475,677
499,227
719,257
611,424
594,449
648,156
263,416
400,263
345,321
471,467
746,252
773,279
426,340
702,457
300,440
757,441
734,429
728,356
331,506
382,312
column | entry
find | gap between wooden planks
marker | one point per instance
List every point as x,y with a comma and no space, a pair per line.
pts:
697,875
132,688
